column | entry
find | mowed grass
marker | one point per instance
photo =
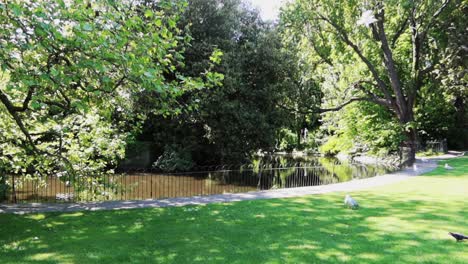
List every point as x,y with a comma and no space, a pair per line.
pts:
406,222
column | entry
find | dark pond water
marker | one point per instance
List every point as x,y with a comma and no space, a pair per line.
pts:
272,172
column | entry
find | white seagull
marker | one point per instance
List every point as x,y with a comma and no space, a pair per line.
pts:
448,167
350,202
366,18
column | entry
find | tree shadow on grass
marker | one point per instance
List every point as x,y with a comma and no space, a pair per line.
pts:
403,223
387,229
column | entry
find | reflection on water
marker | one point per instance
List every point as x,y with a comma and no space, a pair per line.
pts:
271,172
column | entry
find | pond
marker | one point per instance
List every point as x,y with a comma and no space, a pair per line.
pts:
265,173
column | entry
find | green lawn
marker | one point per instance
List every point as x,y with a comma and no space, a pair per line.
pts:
401,223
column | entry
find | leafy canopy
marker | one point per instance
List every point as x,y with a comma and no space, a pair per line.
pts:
70,71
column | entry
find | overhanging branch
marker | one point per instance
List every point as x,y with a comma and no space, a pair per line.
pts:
337,108
11,109
26,101
344,36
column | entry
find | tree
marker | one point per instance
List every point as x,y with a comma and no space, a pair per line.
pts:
235,119
301,95
70,75
451,75
386,62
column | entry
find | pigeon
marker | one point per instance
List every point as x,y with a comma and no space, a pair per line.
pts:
458,237
448,167
350,202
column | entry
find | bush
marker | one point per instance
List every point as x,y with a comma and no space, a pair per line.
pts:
174,158
335,145
288,140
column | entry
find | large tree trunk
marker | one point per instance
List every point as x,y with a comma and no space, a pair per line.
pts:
409,148
409,145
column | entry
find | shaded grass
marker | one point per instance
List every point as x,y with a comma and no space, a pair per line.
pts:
405,222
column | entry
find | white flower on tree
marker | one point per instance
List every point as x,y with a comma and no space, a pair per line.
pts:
366,18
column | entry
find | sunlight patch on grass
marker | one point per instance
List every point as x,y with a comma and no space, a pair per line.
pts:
302,247
406,222
369,256
35,216
49,257
76,214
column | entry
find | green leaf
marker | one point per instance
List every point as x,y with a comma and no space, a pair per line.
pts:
158,22
35,105
148,13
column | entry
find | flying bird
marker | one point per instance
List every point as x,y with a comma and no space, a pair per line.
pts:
350,202
448,167
458,237
366,18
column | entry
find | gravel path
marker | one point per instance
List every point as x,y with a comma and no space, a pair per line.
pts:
423,166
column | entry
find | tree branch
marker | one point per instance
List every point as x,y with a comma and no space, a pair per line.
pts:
11,109
26,100
399,32
434,16
337,108
390,64
381,84
370,98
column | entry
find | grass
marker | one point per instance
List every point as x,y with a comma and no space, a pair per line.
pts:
402,223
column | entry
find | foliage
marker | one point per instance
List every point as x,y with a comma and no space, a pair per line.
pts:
435,115
233,120
301,95
174,159
335,145
451,75
71,73
363,126
385,62
287,140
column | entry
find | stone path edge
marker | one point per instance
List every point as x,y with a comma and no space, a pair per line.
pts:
423,166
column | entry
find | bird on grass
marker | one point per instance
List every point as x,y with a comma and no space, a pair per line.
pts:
350,202
448,167
458,237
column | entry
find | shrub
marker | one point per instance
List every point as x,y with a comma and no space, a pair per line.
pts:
288,140
174,158
335,145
